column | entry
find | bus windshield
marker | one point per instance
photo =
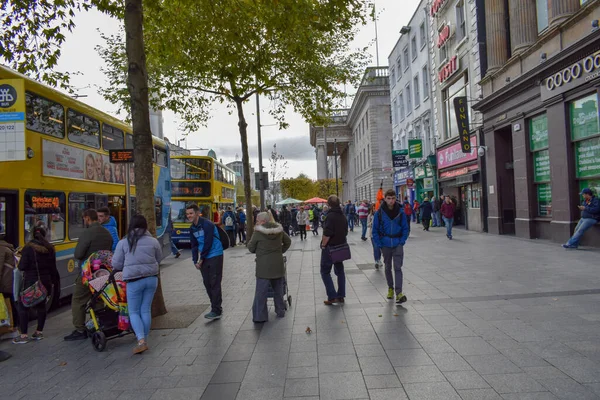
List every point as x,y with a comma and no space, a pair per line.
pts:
191,168
178,210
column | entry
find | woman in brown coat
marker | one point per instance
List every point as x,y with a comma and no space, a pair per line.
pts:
7,267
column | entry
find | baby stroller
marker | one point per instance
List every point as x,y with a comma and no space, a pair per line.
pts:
108,305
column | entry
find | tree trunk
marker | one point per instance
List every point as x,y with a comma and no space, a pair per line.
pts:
137,83
246,166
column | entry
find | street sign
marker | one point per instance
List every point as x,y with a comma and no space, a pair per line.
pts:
399,158
462,120
257,180
415,148
120,156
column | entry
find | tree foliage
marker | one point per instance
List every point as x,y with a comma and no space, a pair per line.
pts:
202,52
301,188
326,187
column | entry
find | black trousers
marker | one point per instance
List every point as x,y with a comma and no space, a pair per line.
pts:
212,274
231,235
302,231
40,310
426,222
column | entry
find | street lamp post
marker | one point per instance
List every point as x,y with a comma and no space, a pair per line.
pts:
260,160
335,160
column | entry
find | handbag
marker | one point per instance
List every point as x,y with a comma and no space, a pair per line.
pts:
339,253
36,293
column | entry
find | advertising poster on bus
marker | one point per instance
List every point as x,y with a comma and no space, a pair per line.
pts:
66,161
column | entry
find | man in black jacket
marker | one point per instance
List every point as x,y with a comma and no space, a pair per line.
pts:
94,238
335,230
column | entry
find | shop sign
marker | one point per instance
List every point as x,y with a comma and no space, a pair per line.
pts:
584,117
544,197
399,158
444,35
462,121
541,166
582,71
587,158
400,177
458,172
538,132
410,183
448,70
415,148
453,155
12,120
420,172
435,7
428,184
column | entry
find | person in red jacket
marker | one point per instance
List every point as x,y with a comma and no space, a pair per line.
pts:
448,215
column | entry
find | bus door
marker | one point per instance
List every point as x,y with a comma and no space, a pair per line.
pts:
116,205
9,216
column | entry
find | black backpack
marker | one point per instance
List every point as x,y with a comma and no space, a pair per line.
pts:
223,237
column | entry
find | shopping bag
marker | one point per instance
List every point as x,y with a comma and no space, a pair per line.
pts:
5,317
9,328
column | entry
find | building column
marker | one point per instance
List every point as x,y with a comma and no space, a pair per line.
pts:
524,191
497,35
559,10
321,165
523,24
494,217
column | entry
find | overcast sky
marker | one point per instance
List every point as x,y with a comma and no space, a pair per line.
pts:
221,134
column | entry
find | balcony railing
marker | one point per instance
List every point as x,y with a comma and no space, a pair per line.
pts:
376,76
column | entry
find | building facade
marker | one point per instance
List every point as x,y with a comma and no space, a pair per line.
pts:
540,115
361,137
238,167
412,105
458,62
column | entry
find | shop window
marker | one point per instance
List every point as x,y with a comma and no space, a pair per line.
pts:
474,196
542,14
458,88
45,209
44,116
413,45
538,144
585,133
83,129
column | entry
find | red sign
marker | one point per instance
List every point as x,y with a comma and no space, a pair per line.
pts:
458,172
448,69
443,36
453,155
410,182
435,7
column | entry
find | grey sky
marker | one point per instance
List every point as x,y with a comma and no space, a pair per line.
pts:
221,134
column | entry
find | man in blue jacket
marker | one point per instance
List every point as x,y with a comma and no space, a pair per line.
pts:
590,215
390,231
110,224
205,242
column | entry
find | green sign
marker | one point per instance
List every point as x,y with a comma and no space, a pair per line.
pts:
402,152
544,196
420,172
538,132
587,158
541,166
584,117
415,148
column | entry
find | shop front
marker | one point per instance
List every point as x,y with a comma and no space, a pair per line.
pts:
459,177
404,183
425,181
544,144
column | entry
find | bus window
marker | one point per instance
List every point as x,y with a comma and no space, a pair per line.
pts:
83,129
161,157
44,116
158,211
47,209
129,141
112,138
78,203
177,168
197,168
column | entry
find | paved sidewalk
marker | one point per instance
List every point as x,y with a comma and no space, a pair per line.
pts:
488,318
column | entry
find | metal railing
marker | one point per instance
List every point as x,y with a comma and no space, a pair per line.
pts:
376,76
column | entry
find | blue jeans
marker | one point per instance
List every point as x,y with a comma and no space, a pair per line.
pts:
437,218
174,248
351,221
376,251
583,225
139,300
363,223
326,265
448,222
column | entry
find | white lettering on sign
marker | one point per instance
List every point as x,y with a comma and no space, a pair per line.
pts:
5,95
587,65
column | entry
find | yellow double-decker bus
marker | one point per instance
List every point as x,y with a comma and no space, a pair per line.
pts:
201,180
54,165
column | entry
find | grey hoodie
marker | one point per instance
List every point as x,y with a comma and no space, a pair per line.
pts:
143,262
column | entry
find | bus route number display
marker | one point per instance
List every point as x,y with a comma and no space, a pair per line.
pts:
121,156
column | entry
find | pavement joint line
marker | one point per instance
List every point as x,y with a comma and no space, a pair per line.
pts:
511,296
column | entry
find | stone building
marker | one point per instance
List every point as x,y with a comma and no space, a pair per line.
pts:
412,102
458,63
540,109
363,137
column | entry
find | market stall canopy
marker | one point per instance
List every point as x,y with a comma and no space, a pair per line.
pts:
289,200
316,200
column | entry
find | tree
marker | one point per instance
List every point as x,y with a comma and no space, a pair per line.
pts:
33,32
200,51
278,170
301,188
326,187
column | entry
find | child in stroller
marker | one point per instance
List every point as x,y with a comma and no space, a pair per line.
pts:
108,289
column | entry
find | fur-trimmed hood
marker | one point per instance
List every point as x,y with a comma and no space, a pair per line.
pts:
38,247
270,228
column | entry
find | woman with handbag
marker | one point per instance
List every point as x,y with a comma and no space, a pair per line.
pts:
38,265
334,251
138,256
